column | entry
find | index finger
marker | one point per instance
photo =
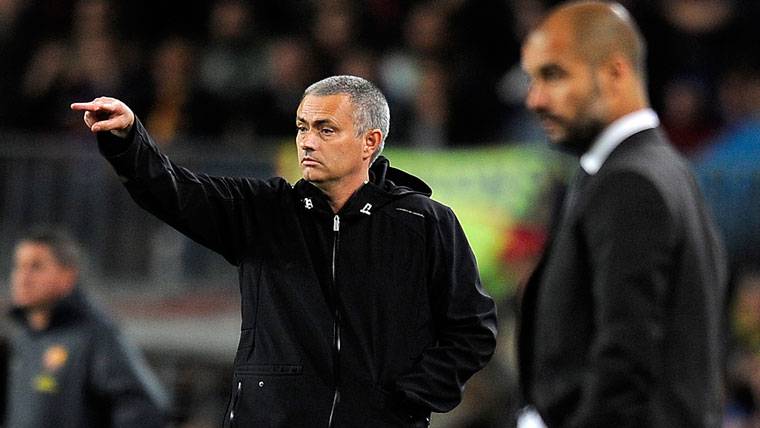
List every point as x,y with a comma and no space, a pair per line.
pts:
90,106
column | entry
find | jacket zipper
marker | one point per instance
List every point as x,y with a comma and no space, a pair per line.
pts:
235,400
336,321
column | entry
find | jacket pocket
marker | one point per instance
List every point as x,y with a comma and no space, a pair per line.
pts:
279,396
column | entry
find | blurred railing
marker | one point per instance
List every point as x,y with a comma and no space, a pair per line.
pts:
62,180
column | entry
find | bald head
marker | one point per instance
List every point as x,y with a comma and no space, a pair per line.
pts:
597,30
585,62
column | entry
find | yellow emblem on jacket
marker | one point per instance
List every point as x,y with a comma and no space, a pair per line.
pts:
45,383
53,359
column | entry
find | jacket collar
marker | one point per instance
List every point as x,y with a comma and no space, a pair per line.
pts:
386,184
66,310
614,134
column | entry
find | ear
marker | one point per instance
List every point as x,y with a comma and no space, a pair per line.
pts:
372,140
70,278
618,69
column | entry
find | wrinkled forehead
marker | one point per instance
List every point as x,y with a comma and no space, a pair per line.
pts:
324,105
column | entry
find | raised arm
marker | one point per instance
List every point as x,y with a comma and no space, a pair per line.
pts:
217,212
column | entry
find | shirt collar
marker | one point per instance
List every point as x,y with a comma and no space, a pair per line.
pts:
615,134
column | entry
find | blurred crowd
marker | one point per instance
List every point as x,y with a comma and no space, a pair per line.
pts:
234,70
231,72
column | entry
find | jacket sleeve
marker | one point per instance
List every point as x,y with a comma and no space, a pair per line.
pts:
630,236
123,383
217,212
465,322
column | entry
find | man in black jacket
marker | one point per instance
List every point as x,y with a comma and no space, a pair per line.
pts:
361,300
621,321
70,367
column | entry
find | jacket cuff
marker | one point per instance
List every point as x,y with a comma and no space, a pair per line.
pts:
111,145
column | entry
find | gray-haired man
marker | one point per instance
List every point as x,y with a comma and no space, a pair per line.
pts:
361,300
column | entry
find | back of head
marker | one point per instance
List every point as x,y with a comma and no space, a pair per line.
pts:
600,30
371,109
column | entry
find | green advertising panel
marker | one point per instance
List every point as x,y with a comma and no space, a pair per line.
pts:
502,196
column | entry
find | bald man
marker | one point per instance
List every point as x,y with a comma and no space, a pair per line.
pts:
621,321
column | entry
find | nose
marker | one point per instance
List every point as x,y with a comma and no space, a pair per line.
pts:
536,98
306,141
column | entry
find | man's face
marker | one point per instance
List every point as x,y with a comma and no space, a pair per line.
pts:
564,91
38,280
329,149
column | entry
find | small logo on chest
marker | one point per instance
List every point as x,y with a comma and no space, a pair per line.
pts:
366,209
308,203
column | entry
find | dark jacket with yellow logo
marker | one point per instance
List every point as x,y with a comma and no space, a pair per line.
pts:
79,373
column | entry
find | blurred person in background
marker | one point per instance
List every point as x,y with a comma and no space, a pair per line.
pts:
361,299
290,68
231,68
70,365
622,321
727,168
743,371
171,87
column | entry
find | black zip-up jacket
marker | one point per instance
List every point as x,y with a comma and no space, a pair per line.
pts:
80,373
371,317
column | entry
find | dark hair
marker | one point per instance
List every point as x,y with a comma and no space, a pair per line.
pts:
64,247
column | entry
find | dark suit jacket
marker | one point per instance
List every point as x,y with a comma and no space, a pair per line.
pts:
621,323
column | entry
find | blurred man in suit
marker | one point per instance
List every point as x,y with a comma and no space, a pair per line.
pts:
621,321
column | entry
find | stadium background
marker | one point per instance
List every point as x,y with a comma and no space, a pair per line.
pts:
217,83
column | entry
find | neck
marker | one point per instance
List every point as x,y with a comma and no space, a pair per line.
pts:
38,319
339,193
635,100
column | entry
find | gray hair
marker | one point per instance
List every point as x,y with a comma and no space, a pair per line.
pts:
65,249
371,109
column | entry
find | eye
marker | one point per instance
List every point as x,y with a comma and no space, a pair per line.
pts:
327,131
300,129
553,73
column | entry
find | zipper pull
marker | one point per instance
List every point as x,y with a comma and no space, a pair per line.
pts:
336,223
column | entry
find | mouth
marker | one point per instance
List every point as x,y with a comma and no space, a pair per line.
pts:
551,124
309,161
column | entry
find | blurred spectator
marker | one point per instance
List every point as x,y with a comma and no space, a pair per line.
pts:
12,52
692,38
358,62
70,365
42,88
517,123
289,70
743,379
430,109
401,70
685,115
171,84
231,68
728,167
334,33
